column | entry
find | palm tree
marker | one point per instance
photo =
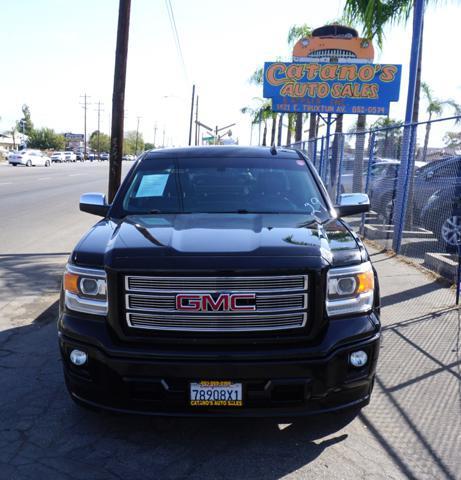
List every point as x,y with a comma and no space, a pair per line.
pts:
434,107
389,137
280,127
261,113
374,16
295,33
291,127
257,78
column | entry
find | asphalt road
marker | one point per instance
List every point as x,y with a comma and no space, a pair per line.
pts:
410,430
40,224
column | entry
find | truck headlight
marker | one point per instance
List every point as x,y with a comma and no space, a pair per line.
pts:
85,290
350,290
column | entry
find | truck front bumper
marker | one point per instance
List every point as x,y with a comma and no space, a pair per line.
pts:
283,382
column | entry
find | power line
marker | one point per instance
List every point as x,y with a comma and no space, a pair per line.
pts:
174,29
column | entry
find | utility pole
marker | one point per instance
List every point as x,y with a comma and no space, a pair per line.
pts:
155,132
137,136
85,108
197,126
163,143
118,98
99,110
191,114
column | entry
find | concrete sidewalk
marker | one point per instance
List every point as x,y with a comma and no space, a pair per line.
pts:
415,412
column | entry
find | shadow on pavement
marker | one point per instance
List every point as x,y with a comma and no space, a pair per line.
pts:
410,293
44,435
30,273
416,405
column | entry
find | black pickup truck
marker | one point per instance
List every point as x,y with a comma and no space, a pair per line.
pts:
220,281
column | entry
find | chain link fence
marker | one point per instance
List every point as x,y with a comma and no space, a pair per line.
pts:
414,188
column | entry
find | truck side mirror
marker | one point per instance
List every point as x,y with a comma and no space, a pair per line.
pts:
94,203
352,204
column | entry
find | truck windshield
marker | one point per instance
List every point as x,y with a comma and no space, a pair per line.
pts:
223,185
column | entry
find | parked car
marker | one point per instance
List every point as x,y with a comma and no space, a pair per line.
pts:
347,175
70,157
442,215
58,157
231,286
104,156
129,158
383,187
80,156
30,158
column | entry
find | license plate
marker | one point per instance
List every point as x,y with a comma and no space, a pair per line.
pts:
216,394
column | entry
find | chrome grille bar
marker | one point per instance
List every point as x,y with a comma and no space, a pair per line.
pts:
217,323
167,303
228,284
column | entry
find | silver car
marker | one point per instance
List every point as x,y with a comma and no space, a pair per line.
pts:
30,158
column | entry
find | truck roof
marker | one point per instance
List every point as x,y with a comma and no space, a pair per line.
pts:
220,151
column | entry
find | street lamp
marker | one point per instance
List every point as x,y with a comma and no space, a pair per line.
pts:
216,130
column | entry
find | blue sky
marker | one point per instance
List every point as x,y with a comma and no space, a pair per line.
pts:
55,50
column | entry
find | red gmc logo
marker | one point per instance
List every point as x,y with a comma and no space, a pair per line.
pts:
224,302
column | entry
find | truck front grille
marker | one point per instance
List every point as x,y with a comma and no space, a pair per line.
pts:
280,303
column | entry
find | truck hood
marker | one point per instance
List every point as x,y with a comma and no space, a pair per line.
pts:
174,242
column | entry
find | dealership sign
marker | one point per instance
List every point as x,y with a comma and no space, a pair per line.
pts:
319,87
74,137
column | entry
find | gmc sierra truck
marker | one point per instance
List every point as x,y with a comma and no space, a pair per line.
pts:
220,281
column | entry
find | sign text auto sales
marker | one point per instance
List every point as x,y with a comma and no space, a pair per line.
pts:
331,87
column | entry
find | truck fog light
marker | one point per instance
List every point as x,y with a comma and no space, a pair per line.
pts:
77,357
358,359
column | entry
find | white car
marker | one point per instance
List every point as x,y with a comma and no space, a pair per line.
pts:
29,158
70,157
58,157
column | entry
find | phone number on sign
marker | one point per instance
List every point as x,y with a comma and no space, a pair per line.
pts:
369,110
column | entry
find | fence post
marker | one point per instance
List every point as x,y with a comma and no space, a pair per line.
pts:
371,161
404,171
327,148
319,169
340,166
314,156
